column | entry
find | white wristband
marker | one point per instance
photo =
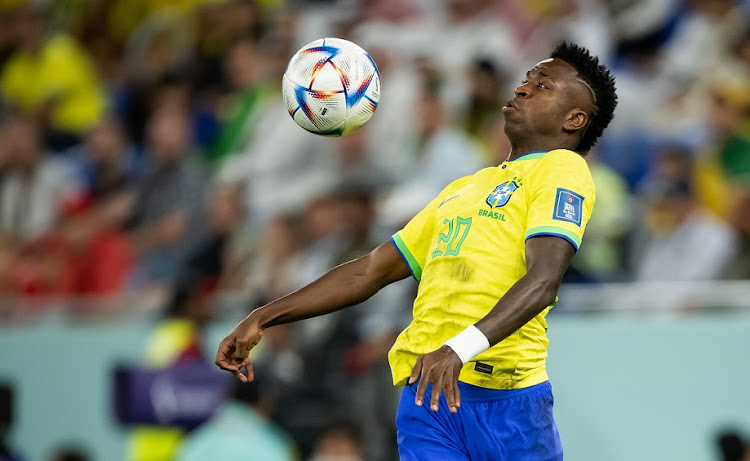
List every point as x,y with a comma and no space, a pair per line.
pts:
469,343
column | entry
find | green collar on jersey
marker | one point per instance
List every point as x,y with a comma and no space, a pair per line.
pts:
530,156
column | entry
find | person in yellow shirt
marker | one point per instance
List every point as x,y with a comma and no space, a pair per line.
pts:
489,253
177,340
52,78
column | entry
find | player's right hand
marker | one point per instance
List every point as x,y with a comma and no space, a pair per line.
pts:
234,350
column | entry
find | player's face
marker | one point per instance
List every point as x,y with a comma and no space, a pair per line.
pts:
545,100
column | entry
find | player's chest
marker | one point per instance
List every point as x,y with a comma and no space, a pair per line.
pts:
480,215
497,198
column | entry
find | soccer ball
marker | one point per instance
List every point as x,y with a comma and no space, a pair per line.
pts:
331,87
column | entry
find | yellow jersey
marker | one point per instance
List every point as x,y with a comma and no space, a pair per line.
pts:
467,248
60,72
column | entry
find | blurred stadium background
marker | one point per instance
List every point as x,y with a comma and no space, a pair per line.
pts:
153,190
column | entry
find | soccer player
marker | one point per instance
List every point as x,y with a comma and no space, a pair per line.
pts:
489,253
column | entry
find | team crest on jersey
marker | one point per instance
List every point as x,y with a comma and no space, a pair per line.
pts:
502,193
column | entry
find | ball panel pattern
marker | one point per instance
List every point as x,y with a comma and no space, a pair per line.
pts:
331,87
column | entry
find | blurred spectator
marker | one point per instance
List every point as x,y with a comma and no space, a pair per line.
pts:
170,198
390,127
324,229
731,123
630,145
52,79
642,25
740,50
300,407
110,168
325,236
357,207
353,161
271,271
172,92
340,225
581,21
684,242
219,26
602,257
283,166
241,429
108,162
83,255
125,16
739,266
177,340
482,119
458,34
69,453
363,335
701,38
160,46
339,442
250,92
693,63
211,260
438,153
276,152
33,185
724,160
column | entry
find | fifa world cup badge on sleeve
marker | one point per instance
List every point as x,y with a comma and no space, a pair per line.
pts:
568,206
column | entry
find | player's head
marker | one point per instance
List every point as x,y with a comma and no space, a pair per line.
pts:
340,440
569,99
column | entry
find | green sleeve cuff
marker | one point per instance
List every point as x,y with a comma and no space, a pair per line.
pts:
556,231
409,259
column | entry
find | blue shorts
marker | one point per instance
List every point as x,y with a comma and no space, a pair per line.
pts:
497,425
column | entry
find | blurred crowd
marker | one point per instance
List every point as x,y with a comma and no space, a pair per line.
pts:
146,155
142,141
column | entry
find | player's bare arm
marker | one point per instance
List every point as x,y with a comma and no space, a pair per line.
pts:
343,286
547,258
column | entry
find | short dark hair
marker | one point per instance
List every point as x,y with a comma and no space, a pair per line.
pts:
601,81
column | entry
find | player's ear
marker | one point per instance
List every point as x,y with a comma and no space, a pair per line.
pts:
575,120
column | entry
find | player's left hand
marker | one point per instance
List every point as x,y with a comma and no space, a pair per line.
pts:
441,368
234,350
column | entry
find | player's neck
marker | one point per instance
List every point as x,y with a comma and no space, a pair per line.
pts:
536,145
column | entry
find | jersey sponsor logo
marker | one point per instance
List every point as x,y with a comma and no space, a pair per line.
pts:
568,206
448,200
502,193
